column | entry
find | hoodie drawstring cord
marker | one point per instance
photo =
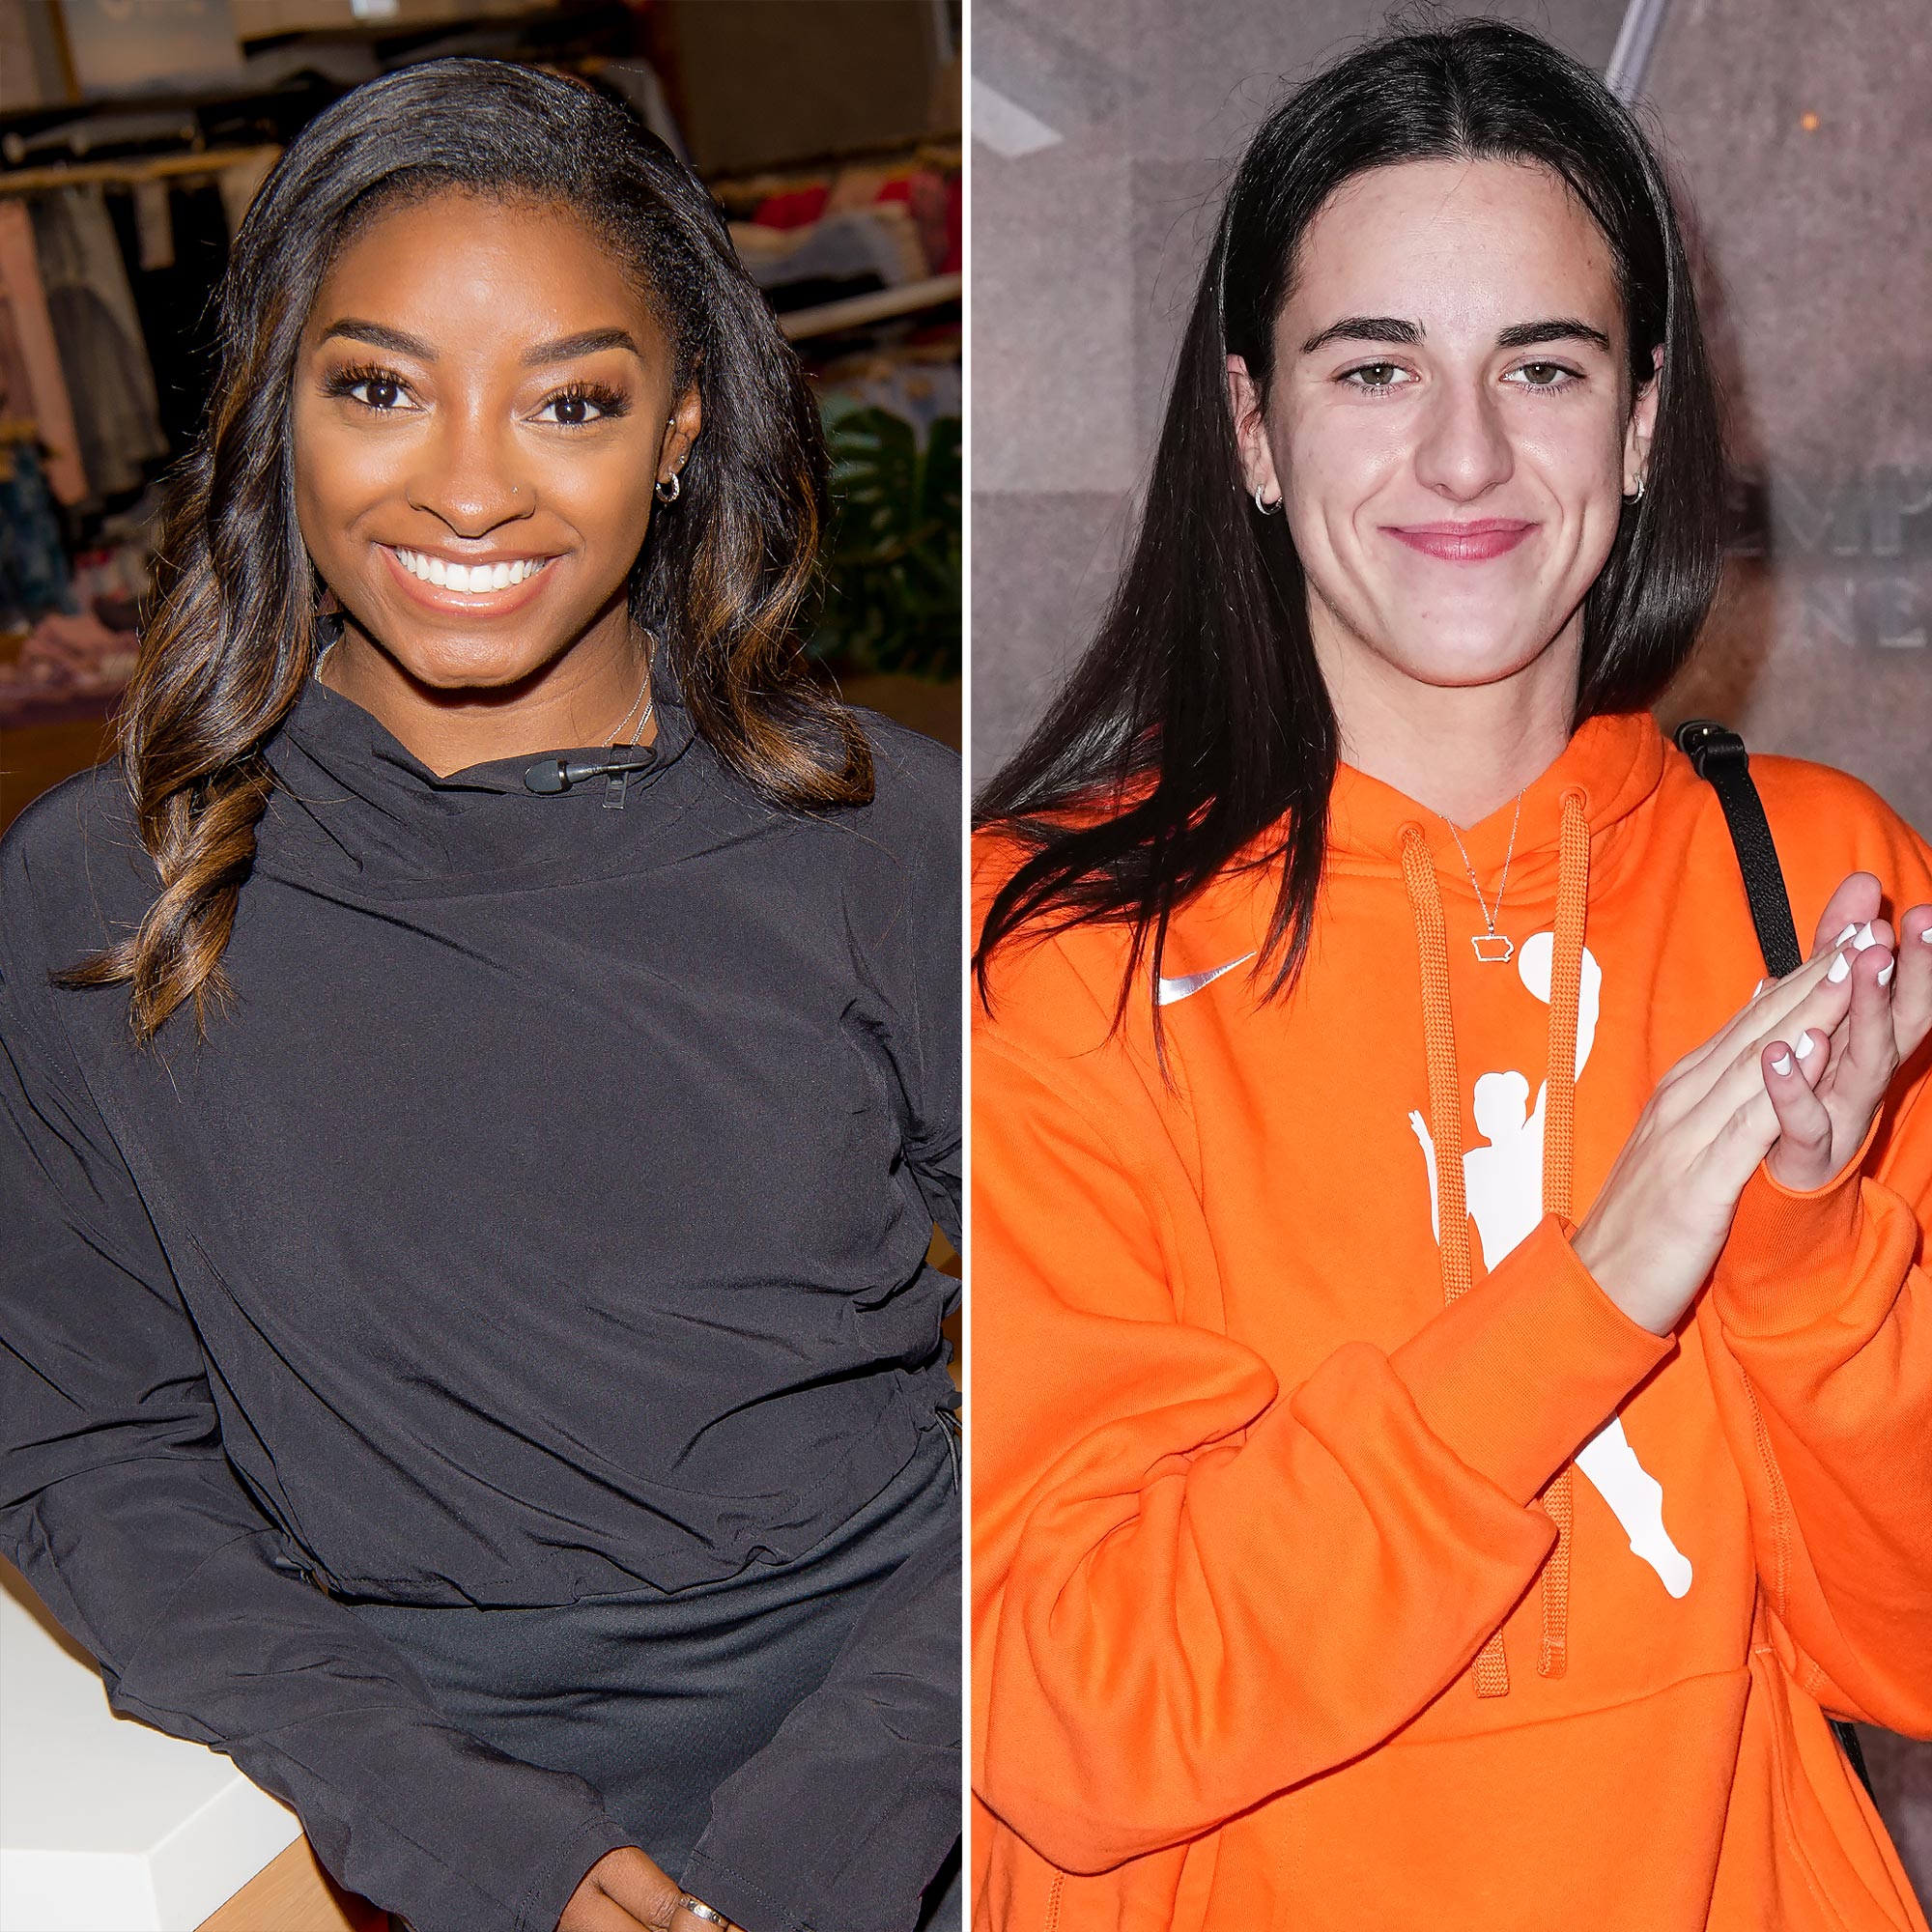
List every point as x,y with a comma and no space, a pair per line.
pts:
1559,1167
1490,1669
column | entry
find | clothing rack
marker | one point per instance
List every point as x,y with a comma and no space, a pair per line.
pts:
206,161
856,311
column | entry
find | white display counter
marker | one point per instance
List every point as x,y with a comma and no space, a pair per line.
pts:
106,1825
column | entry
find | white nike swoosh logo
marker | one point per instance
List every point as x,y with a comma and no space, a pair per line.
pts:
1183,986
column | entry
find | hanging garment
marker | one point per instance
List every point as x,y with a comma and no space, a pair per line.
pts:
175,299
46,397
17,379
33,565
854,253
99,330
154,223
240,182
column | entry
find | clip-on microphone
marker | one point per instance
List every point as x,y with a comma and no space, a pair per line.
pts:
555,774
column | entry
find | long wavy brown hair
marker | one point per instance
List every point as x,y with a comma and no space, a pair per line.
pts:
233,633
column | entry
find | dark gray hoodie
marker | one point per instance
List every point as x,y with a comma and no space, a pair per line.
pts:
544,1215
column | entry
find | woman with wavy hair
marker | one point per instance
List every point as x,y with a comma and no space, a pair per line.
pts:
480,1074
1398,1501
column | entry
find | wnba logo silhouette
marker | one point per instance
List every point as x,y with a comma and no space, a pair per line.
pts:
1503,1180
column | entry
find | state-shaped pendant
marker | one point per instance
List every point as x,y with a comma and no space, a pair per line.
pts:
1493,949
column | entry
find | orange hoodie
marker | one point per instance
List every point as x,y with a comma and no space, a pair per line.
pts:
1331,1575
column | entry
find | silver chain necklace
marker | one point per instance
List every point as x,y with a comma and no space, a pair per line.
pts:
641,722
617,784
1493,948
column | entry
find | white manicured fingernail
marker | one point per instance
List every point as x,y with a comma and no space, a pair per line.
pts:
1846,934
1841,969
1806,1048
1782,1064
1926,935
1885,974
1759,987
1865,937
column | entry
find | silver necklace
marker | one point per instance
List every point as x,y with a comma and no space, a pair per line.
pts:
617,783
1493,948
631,744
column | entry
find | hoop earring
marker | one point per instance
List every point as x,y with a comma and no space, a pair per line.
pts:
1636,496
327,634
669,488
1267,509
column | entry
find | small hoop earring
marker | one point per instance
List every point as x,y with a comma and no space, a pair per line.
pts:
1636,495
669,488
1267,509
327,634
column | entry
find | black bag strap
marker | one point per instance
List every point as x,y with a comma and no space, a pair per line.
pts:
1721,758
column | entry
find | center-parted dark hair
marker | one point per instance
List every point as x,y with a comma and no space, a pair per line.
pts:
1197,726
720,579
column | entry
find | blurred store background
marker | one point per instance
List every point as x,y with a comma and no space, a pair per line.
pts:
1103,131
134,134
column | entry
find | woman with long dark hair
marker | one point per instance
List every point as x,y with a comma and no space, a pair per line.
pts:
480,1073
1400,1502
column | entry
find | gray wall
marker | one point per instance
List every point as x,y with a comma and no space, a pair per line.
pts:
1817,273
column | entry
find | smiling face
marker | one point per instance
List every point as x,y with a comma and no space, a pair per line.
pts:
1449,425
480,389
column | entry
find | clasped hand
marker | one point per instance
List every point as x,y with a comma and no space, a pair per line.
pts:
1857,1008
1825,1101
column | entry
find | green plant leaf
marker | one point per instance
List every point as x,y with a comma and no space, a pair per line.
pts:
893,567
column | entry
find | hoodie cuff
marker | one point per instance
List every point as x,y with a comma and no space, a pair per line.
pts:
742,1900
1790,1253
1527,1365
844,1831
555,1881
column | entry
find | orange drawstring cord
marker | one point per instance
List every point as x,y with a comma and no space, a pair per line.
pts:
1445,1080
1559,1170
1445,1124
1490,1669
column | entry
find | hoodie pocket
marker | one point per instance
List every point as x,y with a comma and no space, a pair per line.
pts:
1834,1865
